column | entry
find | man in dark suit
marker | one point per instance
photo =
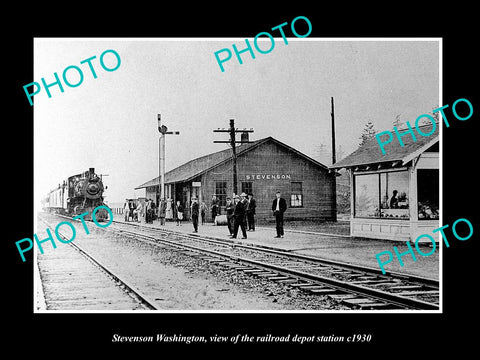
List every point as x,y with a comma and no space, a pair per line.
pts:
229,208
279,206
195,212
251,212
239,218
214,208
244,201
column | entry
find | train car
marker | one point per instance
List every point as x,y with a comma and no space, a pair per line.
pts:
78,194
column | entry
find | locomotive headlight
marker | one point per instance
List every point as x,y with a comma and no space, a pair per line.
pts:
92,188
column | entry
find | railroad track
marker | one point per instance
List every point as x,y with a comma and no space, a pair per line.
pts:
140,301
356,286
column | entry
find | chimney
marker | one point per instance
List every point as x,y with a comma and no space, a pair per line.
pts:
244,137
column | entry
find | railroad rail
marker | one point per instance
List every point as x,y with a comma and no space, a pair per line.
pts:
126,288
356,286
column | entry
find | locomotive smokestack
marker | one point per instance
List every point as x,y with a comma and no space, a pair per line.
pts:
91,170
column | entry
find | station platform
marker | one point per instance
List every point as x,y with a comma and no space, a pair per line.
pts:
343,248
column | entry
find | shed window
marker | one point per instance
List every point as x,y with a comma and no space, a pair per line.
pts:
383,195
394,195
367,191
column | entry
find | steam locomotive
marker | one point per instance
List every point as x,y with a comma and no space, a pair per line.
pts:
78,194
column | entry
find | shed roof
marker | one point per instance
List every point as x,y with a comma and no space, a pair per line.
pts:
198,166
371,153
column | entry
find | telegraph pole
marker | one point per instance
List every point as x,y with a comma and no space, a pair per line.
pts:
333,135
233,131
161,145
334,184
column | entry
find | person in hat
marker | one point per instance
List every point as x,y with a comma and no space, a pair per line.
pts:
203,209
229,208
138,211
153,212
252,204
179,213
244,201
194,210
214,208
279,206
126,209
131,205
239,218
162,211
149,208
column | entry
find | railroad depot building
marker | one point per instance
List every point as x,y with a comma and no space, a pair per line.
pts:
395,196
263,167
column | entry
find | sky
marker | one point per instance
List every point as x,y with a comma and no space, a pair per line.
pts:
110,123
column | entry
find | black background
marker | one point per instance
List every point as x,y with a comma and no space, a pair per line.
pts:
404,334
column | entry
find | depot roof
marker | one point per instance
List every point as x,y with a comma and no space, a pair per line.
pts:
198,166
370,152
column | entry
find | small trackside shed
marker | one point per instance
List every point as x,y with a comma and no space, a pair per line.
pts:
395,196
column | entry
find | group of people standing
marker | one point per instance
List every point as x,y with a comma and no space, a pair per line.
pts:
240,212
166,210
137,211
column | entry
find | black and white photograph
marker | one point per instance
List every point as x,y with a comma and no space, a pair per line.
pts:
275,186
221,191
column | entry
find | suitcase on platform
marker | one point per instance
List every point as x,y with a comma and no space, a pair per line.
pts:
221,220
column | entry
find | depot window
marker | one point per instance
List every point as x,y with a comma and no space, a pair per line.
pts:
247,187
382,195
221,192
296,194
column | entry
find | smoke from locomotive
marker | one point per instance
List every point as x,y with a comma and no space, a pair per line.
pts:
78,194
